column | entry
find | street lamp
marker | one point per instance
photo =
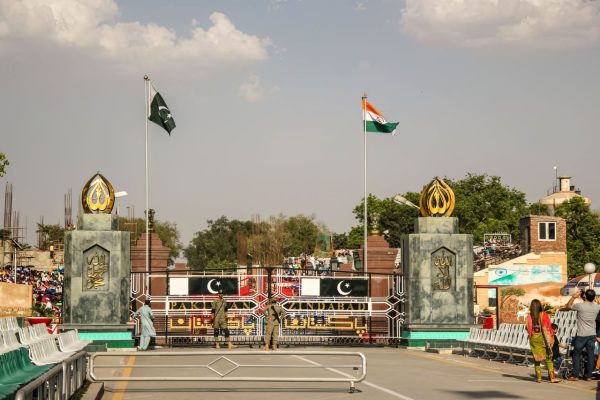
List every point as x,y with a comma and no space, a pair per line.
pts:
120,194
404,201
590,268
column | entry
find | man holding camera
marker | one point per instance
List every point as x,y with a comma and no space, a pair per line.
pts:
586,331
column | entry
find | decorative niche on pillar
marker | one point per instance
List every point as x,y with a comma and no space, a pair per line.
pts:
443,269
95,269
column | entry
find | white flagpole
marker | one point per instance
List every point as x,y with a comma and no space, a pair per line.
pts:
364,101
147,112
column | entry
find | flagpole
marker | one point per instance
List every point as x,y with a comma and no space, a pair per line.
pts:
364,106
147,90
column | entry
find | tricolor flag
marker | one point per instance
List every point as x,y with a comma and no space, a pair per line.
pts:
375,122
158,111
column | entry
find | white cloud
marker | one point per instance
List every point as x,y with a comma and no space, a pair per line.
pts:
252,90
275,4
91,25
360,7
482,23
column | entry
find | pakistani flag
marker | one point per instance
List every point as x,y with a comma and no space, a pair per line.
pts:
211,285
159,111
375,122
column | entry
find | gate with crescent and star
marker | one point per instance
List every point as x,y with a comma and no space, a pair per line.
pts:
340,308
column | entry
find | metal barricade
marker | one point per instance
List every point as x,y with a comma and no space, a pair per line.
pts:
48,386
58,383
233,366
74,373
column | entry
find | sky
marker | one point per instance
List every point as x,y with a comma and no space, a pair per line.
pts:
266,96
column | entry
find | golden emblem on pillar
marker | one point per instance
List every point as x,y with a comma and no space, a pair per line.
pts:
98,195
436,199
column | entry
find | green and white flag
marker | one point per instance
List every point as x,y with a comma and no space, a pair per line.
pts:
159,111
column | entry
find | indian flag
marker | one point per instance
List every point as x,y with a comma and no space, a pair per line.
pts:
375,122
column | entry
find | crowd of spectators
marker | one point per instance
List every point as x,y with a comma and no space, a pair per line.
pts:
47,288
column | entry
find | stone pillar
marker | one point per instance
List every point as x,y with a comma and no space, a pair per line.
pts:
97,275
438,270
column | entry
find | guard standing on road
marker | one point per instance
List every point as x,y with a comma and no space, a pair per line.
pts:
219,314
273,316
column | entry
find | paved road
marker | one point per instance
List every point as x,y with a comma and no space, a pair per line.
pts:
391,374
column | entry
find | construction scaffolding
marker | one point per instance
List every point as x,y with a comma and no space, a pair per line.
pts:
13,234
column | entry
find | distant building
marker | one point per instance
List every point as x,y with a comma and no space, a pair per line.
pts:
540,272
565,191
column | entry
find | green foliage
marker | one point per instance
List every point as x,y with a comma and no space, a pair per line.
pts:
50,234
340,241
167,232
269,241
583,234
356,236
216,246
393,220
40,310
484,204
222,265
396,220
538,209
3,164
303,234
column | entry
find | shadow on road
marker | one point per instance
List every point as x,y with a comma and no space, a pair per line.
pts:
484,394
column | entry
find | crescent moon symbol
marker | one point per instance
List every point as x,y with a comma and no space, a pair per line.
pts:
340,291
210,289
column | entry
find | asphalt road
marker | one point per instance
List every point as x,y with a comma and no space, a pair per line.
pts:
391,374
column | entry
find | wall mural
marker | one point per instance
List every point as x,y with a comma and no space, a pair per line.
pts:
510,275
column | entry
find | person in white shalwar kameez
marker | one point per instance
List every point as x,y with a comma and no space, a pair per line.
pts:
147,321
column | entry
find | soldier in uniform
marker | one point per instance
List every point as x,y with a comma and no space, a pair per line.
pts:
219,314
273,315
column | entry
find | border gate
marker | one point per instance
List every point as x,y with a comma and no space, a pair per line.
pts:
342,308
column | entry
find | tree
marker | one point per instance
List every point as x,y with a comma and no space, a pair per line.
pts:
340,241
485,205
216,246
3,164
50,234
583,234
303,233
392,219
268,241
396,219
538,209
167,232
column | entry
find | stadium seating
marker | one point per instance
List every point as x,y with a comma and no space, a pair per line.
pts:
69,341
513,339
26,353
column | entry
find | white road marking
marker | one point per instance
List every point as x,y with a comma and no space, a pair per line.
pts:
381,388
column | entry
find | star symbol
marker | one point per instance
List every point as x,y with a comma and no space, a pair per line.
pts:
218,283
347,285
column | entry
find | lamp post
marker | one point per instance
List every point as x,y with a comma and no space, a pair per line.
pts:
590,268
117,195
404,201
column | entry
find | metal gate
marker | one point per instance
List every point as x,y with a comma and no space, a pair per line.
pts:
374,316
